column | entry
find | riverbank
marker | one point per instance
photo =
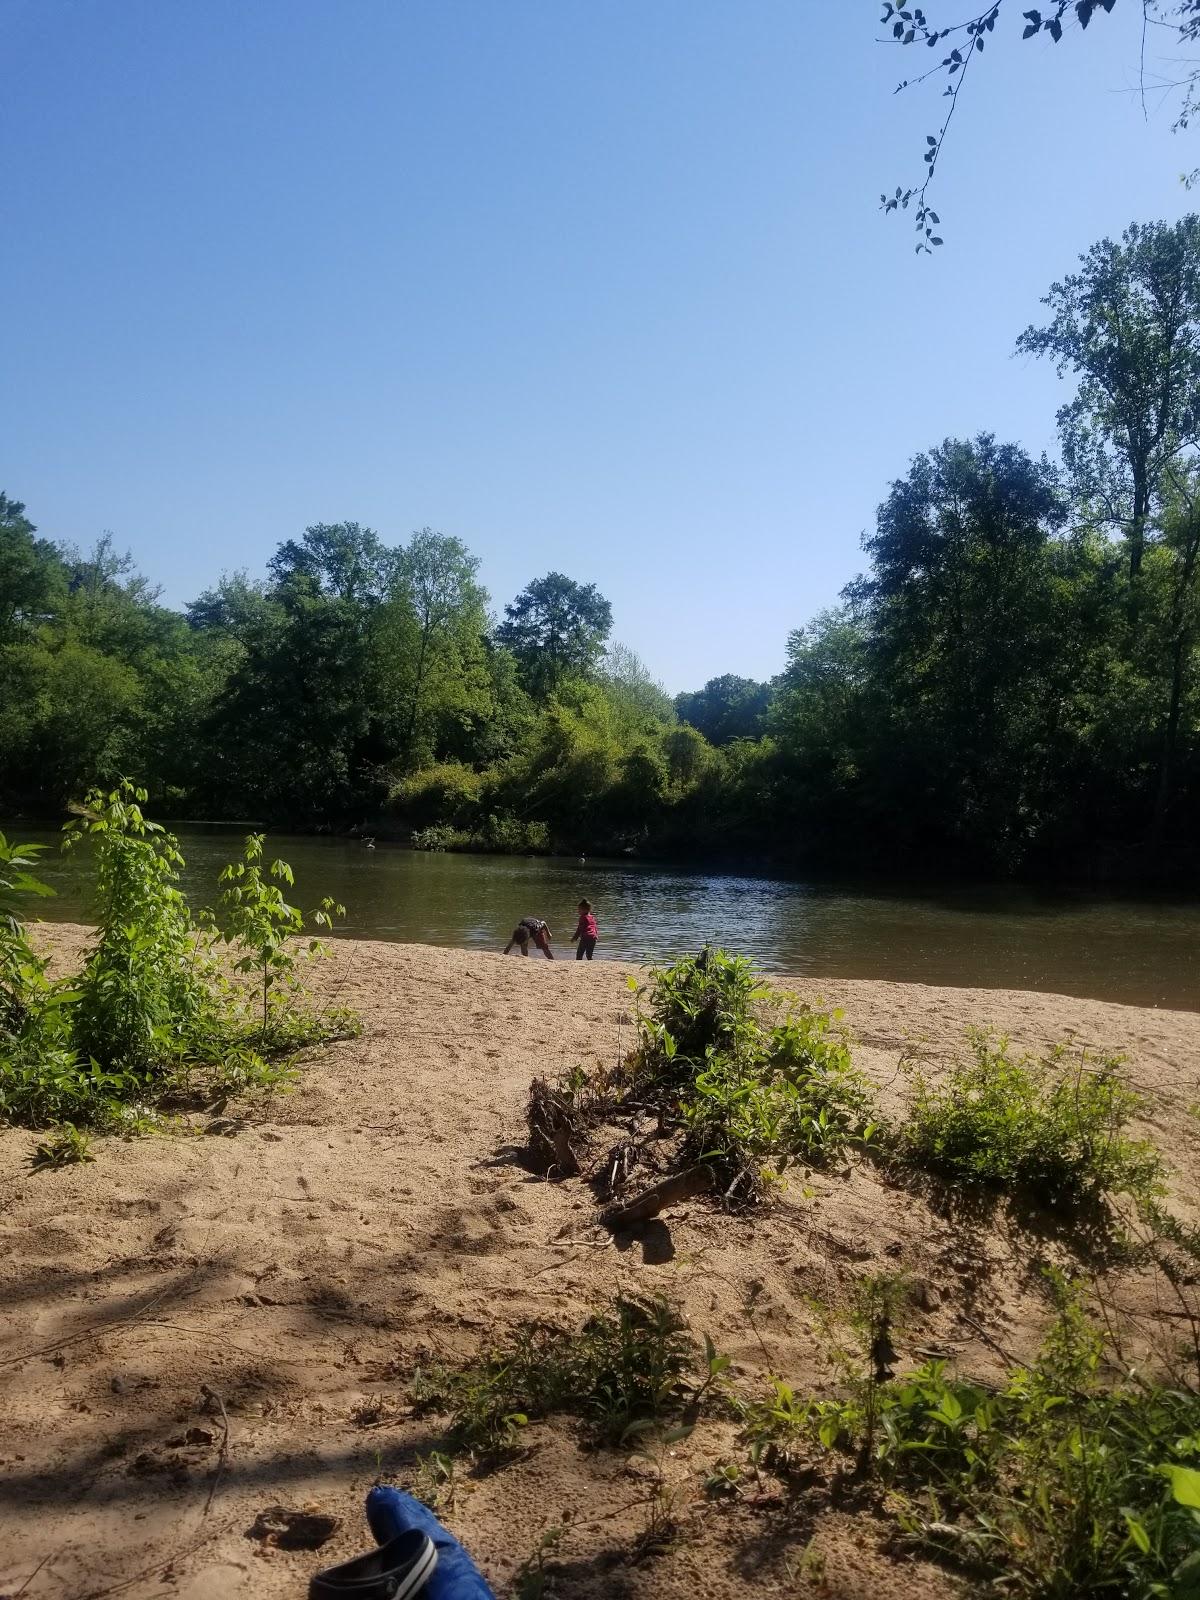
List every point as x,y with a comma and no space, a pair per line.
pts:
299,1258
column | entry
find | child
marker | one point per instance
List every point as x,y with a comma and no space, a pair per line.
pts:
585,934
531,928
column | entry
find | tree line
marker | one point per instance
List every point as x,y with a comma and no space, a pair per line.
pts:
1011,685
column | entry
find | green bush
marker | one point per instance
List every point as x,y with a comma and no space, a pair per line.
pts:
151,1013
261,925
750,1095
1053,1129
624,1369
146,994
1057,1485
503,834
447,793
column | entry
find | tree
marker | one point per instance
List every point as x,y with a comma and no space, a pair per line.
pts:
435,587
1128,323
1179,555
962,627
635,692
556,628
335,561
726,708
30,571
964,39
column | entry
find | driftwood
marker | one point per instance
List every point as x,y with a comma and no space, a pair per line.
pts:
553,1124
679,1186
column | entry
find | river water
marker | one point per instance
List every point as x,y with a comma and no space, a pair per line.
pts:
1138,952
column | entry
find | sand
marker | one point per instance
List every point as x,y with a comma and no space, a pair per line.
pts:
299,1259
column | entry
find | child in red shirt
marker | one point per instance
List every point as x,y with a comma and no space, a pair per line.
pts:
584,937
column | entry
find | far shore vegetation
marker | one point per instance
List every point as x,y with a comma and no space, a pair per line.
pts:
1010,687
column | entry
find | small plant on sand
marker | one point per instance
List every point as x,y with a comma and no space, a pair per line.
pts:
1063,1482
626,1368
41,1080
1053,1129
264,928
750,1094
66,1147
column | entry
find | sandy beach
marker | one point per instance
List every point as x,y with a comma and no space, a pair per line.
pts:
298,1257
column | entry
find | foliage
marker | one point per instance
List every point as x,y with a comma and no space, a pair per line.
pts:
261,924
146,996
1053,1129
555,628
1128,325
727,708
67,1146
750,1096
1011,687
1060,1483
964,39
150,1015
624,1370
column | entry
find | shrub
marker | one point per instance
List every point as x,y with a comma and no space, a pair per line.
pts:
151,1012
146,995
438,836
41,1079
624,1369
447,793
1056,1485
261,924
504,834
1052,1129
750,1096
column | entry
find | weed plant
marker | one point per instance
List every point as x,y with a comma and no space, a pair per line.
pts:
1051,1129
1058,1484
750,1095
624,1371
151,1013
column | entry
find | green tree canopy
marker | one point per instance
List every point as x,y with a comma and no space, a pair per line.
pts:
726,708
1127,324
556,628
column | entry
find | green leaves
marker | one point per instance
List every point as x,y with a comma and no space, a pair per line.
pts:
623,1371
150,1013
1185,1485
1053,1131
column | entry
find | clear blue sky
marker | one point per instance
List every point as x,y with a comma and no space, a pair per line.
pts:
598,286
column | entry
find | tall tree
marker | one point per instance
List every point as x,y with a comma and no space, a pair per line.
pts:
1128,325
556,628
726,708
961,623
1179,627
30,570
336,561
436,587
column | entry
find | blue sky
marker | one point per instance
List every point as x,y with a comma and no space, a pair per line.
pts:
599,286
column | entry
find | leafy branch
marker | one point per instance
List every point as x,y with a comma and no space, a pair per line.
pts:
909,25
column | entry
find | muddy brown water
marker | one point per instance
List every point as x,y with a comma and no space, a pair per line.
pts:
1137,952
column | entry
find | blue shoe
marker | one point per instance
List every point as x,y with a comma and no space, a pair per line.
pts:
395,1571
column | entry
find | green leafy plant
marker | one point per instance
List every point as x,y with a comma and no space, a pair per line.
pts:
624,1370
750,1094
41,1078
261,924
1060,1483
151,1014
146,996
1054,1129
66,1147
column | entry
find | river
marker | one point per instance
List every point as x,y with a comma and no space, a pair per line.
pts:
1138,952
